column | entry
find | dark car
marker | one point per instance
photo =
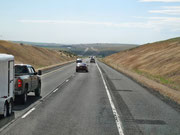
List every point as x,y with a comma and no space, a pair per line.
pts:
92,60
81,67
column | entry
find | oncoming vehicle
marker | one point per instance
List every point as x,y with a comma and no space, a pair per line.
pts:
26,80
81,67
79,60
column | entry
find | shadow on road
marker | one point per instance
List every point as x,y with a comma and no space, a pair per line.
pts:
81,72
4,121
18,107
30,100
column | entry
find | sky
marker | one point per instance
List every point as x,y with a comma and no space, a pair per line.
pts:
89,21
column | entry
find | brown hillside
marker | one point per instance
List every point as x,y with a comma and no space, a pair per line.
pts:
36,56
159,61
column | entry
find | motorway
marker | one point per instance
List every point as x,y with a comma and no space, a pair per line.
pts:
100,102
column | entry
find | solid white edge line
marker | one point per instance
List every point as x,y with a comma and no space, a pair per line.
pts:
25,115
116,115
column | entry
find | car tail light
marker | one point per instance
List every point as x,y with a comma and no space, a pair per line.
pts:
19,83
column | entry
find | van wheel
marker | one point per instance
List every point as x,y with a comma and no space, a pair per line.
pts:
5,110
10,108
38,90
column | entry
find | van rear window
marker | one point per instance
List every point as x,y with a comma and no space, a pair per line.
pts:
79,61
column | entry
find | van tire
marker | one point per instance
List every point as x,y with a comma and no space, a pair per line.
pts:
5,110
10,108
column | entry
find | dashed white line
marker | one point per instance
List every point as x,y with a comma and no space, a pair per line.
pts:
116,115
55,90
25,115
67,80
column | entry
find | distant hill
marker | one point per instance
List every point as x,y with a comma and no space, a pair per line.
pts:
41,44
100,50
159,61
36,56
97,49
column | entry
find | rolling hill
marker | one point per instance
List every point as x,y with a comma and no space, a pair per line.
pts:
159,61
97,49
36,56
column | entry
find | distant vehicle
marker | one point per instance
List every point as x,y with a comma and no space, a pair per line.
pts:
92,60
6,84
79,60
26,80
81,67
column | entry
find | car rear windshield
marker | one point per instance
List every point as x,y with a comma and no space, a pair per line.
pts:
21,70
79,61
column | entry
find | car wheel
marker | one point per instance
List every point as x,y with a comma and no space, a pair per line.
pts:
38,90
24,98
76,70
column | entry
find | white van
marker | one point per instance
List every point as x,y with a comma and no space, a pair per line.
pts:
6,84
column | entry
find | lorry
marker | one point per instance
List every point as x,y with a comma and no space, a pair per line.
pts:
26,80
6,84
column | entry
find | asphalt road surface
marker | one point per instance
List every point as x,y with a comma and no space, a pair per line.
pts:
78,104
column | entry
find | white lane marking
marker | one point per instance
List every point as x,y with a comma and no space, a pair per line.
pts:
25,115
67,80
55,90
116,115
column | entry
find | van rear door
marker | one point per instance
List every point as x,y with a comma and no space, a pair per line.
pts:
11,78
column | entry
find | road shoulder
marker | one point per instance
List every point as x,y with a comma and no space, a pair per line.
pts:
165,93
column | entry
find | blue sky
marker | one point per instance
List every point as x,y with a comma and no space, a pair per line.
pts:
89,21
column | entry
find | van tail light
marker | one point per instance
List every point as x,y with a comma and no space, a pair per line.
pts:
19,83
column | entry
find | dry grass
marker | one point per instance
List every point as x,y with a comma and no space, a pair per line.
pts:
36,56
158,61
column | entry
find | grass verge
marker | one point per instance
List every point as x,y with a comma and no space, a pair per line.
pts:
150,81
160,79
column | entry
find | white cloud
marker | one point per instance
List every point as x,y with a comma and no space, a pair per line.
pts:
170,10
66,22
159,0
75,22
154,23
161,19
160,23
173,21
